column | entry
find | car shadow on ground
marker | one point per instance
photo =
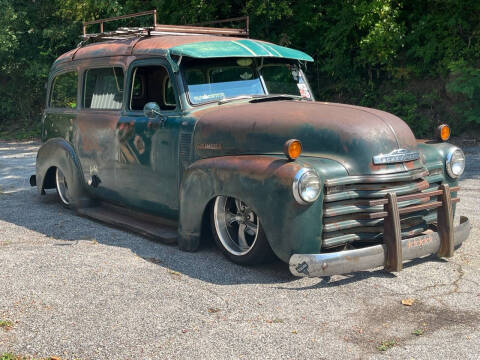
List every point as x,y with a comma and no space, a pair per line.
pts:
45,215
327,282
48,217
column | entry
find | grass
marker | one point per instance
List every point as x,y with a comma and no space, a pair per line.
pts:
417,332
385,345
10,356
6,325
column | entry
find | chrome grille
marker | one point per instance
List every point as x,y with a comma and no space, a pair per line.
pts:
353,208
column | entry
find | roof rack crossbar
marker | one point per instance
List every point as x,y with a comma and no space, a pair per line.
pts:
165,29
102,21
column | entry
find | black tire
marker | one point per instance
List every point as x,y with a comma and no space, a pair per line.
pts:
258,251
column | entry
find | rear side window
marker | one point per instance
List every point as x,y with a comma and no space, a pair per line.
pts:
103,89
64,91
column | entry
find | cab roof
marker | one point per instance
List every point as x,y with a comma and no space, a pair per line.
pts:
196,46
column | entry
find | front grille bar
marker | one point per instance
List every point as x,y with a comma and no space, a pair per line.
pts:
337,228
414,208
392,229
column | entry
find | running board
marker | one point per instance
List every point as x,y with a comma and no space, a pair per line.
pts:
153,227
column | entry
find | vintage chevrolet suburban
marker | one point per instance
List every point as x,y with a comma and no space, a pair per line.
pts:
177,132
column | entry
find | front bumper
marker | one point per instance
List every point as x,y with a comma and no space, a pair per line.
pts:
344,262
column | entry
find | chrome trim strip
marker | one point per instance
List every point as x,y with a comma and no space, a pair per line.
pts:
295,187
396,156
344,262
448,163
403,176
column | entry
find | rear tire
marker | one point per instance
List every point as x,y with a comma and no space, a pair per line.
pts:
238,232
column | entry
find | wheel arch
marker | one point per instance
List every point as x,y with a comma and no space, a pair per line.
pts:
263,182
59,153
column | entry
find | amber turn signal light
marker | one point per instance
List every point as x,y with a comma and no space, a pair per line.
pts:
292,149
443,132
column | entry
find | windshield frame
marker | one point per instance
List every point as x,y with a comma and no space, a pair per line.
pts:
258,66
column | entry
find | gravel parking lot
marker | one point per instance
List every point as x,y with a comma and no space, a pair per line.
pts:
76,289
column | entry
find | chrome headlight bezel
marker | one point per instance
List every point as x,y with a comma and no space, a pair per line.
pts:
451,158
298,183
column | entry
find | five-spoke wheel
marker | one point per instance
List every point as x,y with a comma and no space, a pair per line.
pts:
238,232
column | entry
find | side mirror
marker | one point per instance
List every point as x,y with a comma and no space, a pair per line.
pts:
151,110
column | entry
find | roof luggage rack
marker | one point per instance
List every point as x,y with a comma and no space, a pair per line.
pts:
156,29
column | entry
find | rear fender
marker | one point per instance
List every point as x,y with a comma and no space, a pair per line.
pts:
59,153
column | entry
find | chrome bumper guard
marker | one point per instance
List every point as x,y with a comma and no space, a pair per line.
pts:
394,250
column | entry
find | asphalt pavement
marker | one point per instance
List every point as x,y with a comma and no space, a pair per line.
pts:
76,289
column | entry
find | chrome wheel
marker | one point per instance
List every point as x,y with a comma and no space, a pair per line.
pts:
237,226
62,187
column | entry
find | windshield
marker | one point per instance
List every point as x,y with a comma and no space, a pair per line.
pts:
210,80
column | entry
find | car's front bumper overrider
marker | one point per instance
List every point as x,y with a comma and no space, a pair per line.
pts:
348,261
395,250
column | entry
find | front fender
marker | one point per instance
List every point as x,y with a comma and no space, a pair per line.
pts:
59,153
262,182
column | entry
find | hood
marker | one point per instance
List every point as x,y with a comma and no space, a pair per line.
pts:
351,135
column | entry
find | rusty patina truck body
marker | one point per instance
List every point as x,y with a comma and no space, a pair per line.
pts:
191,130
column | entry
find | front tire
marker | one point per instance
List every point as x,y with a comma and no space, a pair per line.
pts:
238,232
62,188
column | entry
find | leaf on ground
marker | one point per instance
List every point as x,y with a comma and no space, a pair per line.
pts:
408,302
6,324
213,310
173,272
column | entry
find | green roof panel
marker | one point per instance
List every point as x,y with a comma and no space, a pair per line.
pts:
237,48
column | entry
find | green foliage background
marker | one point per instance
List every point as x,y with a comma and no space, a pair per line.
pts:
419,59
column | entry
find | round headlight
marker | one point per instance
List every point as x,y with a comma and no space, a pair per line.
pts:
307,186
455,163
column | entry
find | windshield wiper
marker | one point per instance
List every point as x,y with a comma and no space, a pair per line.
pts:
275,97
241,97
261,98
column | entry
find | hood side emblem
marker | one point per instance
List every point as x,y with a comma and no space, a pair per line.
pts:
396,156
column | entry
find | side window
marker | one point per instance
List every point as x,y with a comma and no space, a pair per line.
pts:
152,84
103,89
64,91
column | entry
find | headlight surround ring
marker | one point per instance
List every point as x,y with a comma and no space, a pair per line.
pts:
307,186
455,163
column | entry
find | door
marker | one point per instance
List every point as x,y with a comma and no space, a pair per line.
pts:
147,156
